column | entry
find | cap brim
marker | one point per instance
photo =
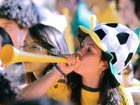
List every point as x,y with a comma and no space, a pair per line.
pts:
93,36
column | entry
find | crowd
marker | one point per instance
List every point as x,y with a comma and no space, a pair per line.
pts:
80,52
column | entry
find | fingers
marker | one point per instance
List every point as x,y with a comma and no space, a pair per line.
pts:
79,54
77,63
73,62
71,59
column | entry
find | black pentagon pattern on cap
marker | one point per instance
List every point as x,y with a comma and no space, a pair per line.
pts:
100,33
114,25
128,58
114,59
122,37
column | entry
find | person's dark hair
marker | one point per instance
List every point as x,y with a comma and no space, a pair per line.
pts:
5,37
136,7
39,101
50,39
7,94
109,91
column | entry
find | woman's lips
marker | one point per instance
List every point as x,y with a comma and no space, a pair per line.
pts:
26,63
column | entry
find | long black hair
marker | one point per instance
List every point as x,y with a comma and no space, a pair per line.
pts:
50,39
110,94
7,92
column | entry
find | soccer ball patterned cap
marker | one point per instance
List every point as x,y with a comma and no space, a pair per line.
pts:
115,39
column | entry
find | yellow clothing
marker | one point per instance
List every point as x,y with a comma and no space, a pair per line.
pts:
108,16
59,91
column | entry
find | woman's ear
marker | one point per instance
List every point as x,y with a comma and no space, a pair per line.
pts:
105,65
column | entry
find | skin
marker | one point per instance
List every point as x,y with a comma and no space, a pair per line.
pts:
97,5
16,33
61,4
127,14
37,68
91,63
82,62
71,5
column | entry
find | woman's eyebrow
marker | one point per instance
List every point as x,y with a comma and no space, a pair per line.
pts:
91,44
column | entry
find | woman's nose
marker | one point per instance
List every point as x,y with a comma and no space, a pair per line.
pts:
79,54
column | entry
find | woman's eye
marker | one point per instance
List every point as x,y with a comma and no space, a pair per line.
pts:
34,46
88,50
23,46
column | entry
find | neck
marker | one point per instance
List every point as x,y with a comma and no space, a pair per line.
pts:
88,81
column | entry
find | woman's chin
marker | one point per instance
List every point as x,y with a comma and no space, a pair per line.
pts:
27,70
27,67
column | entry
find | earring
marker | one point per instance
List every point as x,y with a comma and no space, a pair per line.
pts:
101,72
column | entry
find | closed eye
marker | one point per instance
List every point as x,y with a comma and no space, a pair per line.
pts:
34,46
86,47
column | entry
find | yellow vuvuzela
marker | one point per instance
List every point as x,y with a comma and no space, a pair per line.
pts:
10,55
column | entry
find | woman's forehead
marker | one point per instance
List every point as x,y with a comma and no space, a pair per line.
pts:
29,39
88,40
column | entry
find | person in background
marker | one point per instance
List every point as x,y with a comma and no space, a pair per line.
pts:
16,17
127,7
7,91
44,40
90,76
104,10
78,15
129,12
40,101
